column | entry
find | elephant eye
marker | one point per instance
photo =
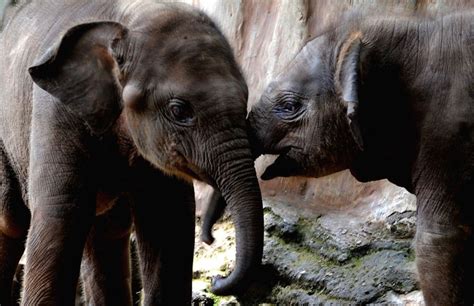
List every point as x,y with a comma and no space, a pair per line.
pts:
288,109
181,112
290,106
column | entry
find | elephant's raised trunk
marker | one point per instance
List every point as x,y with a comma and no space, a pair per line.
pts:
239,186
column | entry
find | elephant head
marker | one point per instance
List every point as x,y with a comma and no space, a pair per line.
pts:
174,83
308,114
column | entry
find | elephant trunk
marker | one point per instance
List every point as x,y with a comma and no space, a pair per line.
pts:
239,186
255,143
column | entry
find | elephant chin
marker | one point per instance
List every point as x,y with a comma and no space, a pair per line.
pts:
283,166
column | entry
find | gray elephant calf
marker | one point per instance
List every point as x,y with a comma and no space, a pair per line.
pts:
111,108
388,98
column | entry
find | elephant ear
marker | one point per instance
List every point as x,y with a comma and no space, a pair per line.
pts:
81,71
347,78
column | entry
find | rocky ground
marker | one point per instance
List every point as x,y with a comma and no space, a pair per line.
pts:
320,259
328,259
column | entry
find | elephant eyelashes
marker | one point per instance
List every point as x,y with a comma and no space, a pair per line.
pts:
290,106
181,112
288,109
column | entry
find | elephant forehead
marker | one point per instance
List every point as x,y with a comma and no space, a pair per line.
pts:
194,53
198,60
305,67
209,87
303,79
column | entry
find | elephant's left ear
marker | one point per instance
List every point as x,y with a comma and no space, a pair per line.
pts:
81,71
347,78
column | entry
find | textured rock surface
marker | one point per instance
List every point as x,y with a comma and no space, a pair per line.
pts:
307,260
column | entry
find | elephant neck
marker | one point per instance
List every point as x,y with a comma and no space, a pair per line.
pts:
389,65
407,75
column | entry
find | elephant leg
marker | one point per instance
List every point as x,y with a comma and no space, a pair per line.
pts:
444,255
136,277
62,199
105,269
54,249
164,227
444,259
14,222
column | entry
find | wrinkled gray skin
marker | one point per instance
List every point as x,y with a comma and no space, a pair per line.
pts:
107,112
388,98
215,209
216,204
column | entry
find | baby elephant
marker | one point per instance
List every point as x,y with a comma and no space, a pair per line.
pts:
111,109
388,98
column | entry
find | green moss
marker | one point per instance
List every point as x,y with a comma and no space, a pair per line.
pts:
306,255
286,294
355,263
215,298
411,254
303,253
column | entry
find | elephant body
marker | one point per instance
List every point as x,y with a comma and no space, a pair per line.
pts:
388,97
104,117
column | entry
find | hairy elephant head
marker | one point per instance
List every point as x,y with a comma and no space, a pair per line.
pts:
173,80
308,115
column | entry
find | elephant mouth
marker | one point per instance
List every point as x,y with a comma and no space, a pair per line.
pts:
285,165
189,170
198,175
